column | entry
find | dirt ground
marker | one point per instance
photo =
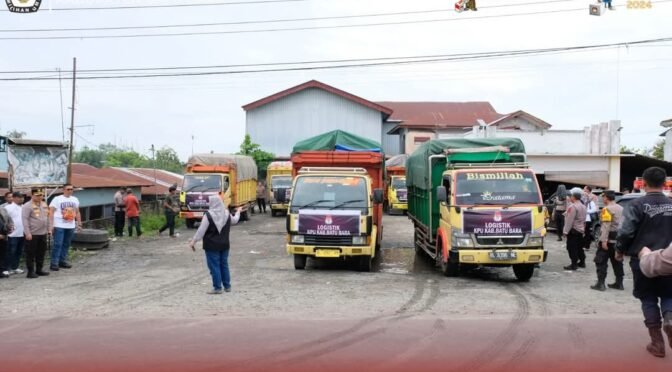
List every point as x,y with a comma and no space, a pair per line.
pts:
151,292
159,277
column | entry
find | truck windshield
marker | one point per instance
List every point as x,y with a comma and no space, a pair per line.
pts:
398,183
496,188
202,183
281,182
324,192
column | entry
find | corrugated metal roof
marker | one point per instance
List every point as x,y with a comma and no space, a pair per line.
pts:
87,176
29,142
164,179
521,114
441,114
319,85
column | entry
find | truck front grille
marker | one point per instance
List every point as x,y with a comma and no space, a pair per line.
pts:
499,241
328,241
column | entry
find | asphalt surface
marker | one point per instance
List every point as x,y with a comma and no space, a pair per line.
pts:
141,305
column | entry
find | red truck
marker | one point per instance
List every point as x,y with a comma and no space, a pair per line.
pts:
335,211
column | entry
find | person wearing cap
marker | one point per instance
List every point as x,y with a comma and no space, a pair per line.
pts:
575,223
16,239
133,213
35,215
171,206
610,220
64,220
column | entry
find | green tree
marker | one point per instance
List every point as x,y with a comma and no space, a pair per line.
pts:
90,156
127,159
261,157
167,159
16,134
658,151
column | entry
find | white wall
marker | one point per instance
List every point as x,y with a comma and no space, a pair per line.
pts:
668,146
279,125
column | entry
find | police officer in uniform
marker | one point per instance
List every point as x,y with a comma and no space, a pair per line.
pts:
610,220
646,223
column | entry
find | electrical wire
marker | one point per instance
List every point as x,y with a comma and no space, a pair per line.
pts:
446,58
251,2
303,28
415,12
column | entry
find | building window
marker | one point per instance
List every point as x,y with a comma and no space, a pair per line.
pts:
420,140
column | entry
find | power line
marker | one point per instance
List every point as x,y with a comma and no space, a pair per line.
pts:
282,20
202,67
303,28
446,58
174,5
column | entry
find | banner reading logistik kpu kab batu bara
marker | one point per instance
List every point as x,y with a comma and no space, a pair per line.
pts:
329,223
497,222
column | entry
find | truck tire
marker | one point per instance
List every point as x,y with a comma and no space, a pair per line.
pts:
300,261
365,263
90,236
418,249
450,268
273,212
245,215
523,272
190,222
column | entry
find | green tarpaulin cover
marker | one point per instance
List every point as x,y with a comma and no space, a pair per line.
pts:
337,140
417,165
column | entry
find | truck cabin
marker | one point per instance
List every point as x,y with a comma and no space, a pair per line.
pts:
322,191
492,187
398,182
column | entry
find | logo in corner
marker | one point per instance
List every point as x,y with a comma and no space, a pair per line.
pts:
498,216
23,6
328,220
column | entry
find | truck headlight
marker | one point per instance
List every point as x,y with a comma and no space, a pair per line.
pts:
359,240
297,239
462,240
535,241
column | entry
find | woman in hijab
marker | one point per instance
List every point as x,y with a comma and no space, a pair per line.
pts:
214,231
559,210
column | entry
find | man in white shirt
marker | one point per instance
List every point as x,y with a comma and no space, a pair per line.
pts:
16,238
64,220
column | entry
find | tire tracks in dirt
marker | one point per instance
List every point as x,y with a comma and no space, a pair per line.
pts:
357,333
505,338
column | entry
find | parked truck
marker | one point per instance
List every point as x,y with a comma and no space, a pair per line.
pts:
476,202
279,185
234,177
396,193
335,211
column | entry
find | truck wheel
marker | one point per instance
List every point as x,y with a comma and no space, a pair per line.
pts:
274,213
365,263
245,216
300,261
523,272
190,222
449,268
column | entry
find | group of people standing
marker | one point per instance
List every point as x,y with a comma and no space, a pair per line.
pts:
31,226
642,231
126,206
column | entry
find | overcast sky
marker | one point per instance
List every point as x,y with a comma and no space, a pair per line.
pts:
568,90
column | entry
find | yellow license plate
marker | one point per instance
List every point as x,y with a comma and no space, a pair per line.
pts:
327,253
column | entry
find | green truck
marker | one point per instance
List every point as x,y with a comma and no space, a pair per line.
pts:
476,202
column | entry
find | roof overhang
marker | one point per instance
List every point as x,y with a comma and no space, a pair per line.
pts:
319,85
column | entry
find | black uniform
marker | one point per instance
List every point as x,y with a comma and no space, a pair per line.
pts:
647,222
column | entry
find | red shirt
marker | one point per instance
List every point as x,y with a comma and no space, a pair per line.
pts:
132,206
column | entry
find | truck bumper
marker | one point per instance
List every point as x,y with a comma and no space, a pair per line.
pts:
330,252
191,215
279,207
400,206
483,257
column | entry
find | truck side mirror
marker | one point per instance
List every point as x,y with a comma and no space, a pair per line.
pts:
442,194
378,196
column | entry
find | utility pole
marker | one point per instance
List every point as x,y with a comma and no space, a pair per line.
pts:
156,195
72,118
